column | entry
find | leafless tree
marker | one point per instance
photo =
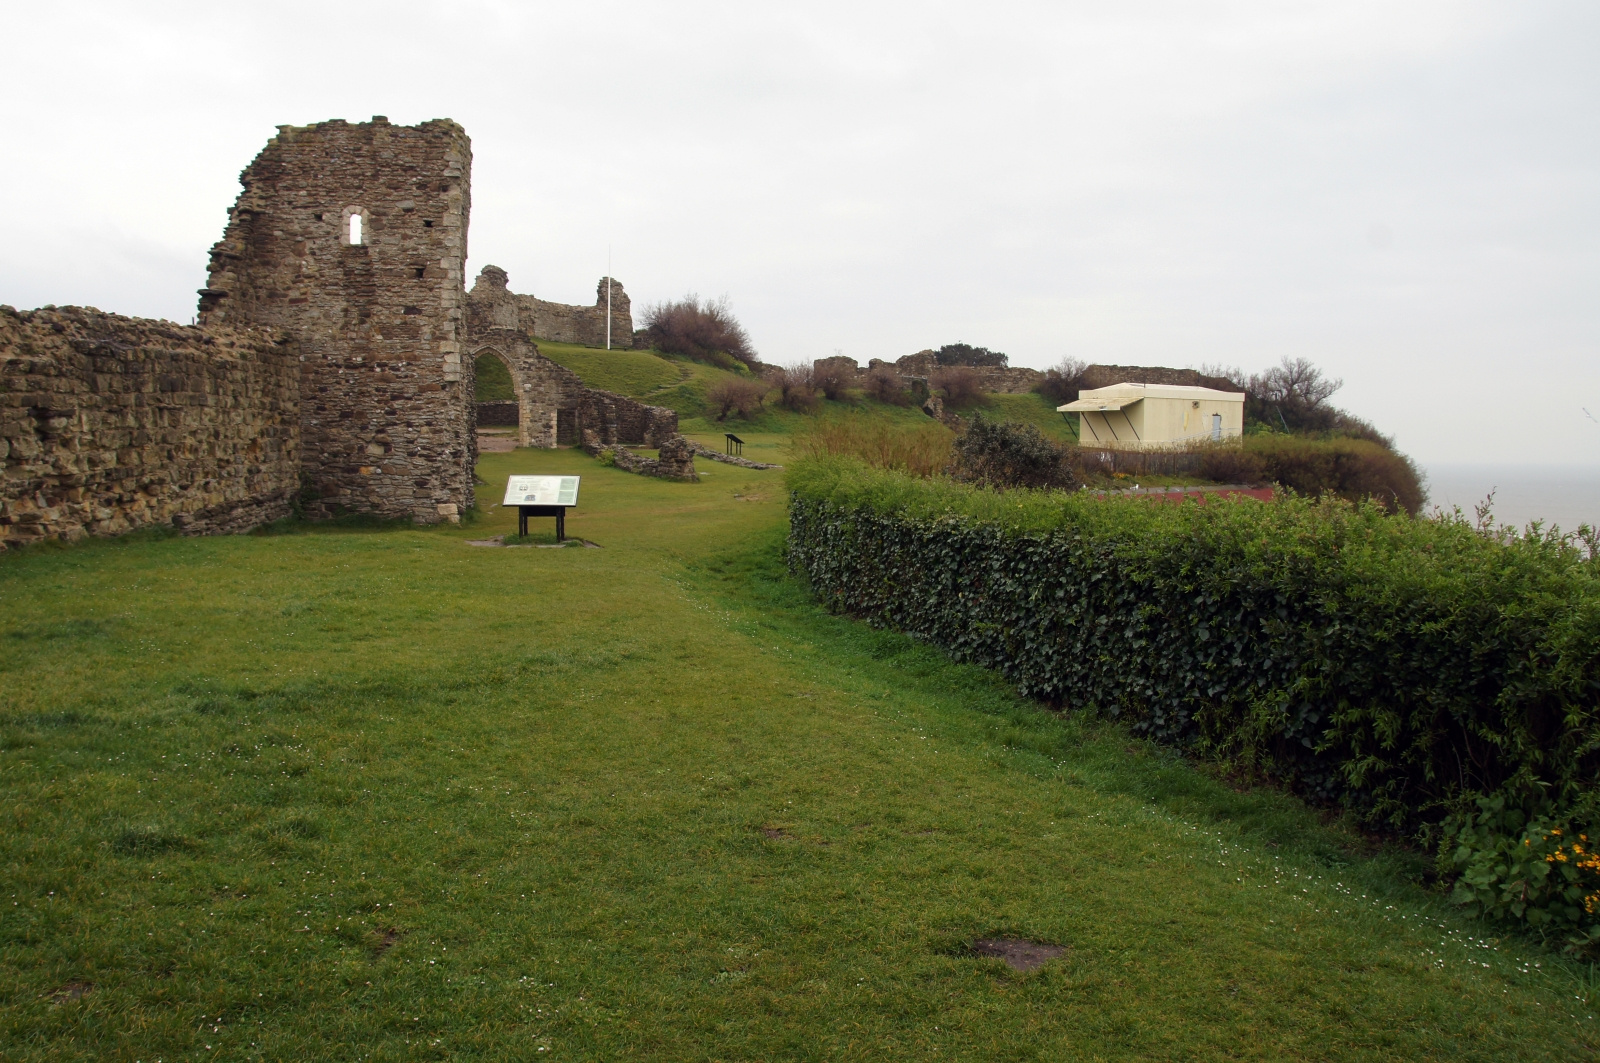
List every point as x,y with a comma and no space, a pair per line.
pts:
833,376
1294,384
797,388
961,385
739,395
886,385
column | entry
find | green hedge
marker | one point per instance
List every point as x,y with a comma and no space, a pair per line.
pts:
1400,667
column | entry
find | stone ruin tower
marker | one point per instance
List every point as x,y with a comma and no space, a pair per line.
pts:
352,238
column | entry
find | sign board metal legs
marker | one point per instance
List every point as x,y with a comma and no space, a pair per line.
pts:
558,512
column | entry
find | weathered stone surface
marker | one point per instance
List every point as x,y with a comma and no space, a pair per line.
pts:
556,408
1009,380
1104,376
920,367
727,459
558,322
676,461
498,413
387,421
332,351
111,423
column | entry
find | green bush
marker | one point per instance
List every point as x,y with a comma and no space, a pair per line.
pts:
1353,469
1525,865
1005,454
1399,667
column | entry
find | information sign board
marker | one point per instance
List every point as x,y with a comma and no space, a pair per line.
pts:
541,491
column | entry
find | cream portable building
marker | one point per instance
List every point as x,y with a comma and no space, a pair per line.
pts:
1156,416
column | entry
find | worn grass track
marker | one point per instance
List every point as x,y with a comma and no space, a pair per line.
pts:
377,794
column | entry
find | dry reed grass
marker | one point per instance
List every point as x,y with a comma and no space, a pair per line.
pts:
924,450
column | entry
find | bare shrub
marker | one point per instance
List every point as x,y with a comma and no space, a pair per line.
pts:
886,385
1230,463
959,385
703,330
923,450
1005,454
1350,468
1063,381
739,395
797,388
1294,383
833,377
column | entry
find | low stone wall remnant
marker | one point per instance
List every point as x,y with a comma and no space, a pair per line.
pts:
675,463
498,414
111,423
728,459
556,407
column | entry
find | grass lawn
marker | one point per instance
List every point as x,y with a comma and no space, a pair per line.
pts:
626,372
1029,408
381,794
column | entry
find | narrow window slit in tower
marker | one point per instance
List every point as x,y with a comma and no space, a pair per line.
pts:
355,230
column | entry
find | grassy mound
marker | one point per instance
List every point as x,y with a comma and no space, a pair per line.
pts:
633,373
1030,408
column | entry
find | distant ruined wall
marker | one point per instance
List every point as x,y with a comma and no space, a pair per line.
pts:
386,410
556,407
1000,380
923,364
111,423
1104,376
560,322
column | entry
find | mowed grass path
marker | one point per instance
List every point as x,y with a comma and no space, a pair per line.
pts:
384,795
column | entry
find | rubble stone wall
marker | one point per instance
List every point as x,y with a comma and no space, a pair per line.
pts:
1007,380
922,365
387,418
1105,376
558,322
110,423
556,407
499,413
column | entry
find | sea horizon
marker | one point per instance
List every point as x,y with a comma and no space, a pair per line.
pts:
1563,496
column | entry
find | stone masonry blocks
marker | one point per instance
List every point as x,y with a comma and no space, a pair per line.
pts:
386,415
111,423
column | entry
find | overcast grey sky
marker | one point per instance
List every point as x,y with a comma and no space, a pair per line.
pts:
1404,192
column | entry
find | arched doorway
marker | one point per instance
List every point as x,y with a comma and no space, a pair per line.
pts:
499,406
547,398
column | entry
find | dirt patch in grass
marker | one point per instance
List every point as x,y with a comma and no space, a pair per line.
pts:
384,941
1018,954
775,833
71,991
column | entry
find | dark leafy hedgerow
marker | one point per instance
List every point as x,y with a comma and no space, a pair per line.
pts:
1400,667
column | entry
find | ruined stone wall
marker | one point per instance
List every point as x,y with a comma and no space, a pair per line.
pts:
1104,376
999,380
386,407
499,413
560,322
555,404
922,365
110,423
